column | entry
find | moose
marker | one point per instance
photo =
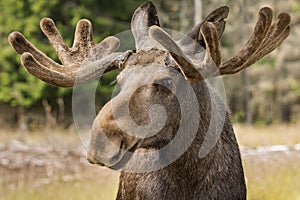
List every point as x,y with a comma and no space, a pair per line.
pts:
157,79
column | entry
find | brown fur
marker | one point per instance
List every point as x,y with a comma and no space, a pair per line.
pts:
217,176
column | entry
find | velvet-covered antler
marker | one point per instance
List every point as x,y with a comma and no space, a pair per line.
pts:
265,38
84,61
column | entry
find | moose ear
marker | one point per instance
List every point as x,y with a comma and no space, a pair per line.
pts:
144,17
217,17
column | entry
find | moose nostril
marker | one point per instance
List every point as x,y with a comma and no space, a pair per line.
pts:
92,160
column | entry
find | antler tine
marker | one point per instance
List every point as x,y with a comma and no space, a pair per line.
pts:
281,23
269,48
211,38
77,59
261,28
22,45
278,32
54,77
275,35
144,17
49,29
83,35
83,42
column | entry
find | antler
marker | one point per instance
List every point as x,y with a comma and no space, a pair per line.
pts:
84,61
264,39
144,17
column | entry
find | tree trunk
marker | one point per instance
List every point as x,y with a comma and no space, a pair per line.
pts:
245,78
61,110
198,11
50,119
21,119
281,102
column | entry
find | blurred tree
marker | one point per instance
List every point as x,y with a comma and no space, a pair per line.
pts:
260,94
18,87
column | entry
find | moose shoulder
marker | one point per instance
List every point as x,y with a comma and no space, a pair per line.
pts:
159,120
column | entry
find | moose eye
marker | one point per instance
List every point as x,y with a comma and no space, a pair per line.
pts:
164,84
167,82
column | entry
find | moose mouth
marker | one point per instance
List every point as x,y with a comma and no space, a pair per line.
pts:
123,158
118,161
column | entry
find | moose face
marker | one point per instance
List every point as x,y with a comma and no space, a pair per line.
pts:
144,114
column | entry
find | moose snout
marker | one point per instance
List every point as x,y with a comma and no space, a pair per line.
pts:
102,151
91,158
110,144
104,160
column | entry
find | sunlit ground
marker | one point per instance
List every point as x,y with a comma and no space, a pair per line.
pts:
273,176
269,176
86,188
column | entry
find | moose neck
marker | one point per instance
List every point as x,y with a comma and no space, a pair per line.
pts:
218,175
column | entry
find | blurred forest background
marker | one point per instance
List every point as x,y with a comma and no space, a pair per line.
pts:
268,92
53,165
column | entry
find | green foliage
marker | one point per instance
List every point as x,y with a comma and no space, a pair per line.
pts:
239,117
295,87
296,7
266,61
18,87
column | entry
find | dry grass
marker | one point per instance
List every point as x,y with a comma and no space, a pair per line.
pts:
92,182
273,176
92,186
43,136
253,136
